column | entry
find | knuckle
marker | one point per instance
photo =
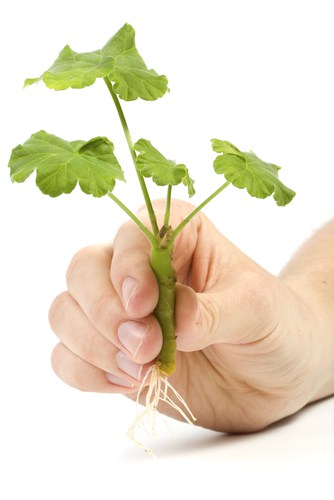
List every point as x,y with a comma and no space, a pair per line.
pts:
56,360
121,262
57,308
88,351
78,261
65,370
101,311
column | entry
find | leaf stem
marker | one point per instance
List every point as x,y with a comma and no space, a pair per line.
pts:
129,141
168,201
185,221
150,236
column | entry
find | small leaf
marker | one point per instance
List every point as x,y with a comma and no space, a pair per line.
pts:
30,81
246,170
60,164
189,182
118,60
151,163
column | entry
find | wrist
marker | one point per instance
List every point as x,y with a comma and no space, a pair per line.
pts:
317,299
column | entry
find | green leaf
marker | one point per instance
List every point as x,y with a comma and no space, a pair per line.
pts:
70,69
189,182
125,67
118,60
151,163
60,164
246,170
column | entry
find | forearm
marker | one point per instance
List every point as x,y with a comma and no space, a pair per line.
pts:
310,273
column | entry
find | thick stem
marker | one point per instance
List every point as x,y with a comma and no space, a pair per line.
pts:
162,265
128,138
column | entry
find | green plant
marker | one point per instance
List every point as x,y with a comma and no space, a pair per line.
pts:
61,165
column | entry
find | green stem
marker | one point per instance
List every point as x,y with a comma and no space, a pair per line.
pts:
161,263
168,201
187,219
135,219
134,157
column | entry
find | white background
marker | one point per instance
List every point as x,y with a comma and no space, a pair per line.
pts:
257,73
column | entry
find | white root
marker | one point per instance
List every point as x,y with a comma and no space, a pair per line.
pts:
158,389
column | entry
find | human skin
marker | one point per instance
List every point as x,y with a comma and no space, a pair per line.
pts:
252,348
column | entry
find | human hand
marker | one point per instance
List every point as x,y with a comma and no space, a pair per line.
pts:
245,338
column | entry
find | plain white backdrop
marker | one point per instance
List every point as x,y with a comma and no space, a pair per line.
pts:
257,73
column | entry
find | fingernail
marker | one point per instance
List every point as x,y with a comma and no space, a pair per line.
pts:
131,335
128,366
129,287
118,380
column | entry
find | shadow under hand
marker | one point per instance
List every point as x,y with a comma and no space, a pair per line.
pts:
292,438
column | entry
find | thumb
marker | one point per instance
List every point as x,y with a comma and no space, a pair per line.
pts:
242,310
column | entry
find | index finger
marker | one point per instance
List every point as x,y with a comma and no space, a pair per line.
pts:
131,273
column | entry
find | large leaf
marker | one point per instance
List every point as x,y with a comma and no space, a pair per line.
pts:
151,163
246,170
60,164
118,60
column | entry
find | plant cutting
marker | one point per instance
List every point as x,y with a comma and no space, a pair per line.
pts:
61,165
